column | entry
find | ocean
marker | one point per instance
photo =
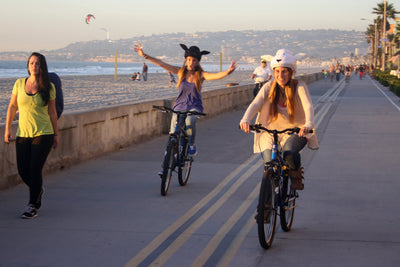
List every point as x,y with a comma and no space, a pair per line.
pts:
14,69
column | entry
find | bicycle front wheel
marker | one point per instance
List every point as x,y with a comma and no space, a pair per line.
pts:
266,211
168,166
185,165
289,203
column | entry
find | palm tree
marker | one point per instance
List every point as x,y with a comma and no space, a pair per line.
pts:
370,36
390,14
390,10
397,37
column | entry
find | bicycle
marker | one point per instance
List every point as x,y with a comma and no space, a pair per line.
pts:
276,192
177,152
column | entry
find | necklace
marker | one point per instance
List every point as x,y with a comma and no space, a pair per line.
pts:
31,87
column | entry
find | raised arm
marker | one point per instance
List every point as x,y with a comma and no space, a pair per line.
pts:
139,49
222,74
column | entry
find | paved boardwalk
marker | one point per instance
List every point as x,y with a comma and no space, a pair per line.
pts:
109,212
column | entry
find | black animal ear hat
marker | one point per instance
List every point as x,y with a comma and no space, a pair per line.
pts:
193,51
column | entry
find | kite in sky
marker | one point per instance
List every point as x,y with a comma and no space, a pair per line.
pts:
88,18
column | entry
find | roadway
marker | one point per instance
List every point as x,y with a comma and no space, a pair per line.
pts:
109,211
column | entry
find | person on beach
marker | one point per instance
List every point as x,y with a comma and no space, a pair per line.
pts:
34,98
144,72
283,103
261,75
133,78
190,79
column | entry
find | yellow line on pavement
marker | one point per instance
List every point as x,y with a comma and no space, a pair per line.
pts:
220,235
152,246
183,237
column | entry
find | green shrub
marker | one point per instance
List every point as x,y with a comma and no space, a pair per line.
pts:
384,78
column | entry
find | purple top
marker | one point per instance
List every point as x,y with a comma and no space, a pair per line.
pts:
188,97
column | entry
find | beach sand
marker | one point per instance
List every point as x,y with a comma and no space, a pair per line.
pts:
87,92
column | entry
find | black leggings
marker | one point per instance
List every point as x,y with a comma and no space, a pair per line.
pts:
31,156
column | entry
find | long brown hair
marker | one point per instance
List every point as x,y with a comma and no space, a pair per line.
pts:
290,92
43,79
198,77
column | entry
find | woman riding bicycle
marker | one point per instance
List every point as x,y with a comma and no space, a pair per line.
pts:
283,103
191,77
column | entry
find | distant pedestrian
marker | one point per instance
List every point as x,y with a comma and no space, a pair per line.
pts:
171,79
261,75
332,72
144,72
35,99
337,71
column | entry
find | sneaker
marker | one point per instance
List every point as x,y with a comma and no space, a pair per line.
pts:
30,212
192,151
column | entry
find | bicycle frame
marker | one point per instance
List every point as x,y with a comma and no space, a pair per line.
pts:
180,135
278,166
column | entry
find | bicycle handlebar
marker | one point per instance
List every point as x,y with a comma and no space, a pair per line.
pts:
188,112
258,127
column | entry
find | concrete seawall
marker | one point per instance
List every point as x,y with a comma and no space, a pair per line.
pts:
86,135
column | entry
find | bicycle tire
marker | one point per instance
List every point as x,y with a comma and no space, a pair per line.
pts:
168,166
185,165
286,210
266,210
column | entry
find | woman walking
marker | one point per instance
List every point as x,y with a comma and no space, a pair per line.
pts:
34,98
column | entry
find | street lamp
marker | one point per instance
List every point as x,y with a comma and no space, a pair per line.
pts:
374,42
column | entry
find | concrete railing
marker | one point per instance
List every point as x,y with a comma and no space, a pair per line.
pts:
89,134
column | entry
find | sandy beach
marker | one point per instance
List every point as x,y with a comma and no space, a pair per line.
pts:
86,92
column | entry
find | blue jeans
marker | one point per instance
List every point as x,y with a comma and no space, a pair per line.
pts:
291,151
190,125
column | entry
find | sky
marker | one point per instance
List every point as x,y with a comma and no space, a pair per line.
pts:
38,25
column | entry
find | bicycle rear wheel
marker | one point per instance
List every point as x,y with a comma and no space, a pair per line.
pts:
185,165
168,166
266,211
289,200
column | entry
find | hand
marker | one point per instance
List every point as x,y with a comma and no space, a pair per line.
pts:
7,137
232,67
139,49
55,142
304,131
245,127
